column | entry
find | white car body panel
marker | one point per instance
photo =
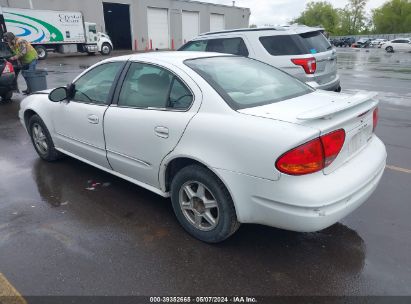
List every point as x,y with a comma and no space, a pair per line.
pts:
79,130
240,147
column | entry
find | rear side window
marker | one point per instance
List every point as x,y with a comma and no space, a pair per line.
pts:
306,43
195,46
235,46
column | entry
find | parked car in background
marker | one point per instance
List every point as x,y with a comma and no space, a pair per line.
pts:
377,42
362,43
301,51
335,42
346,41
399,44
8,76
230,139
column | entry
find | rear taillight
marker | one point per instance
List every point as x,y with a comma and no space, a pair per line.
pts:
312,156
374,119
332,144
8,68
308,64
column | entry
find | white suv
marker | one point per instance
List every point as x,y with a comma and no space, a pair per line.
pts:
301,51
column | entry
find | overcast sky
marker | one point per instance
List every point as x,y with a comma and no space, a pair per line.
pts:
278,12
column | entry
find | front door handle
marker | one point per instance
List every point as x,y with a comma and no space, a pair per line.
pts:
93,119
162,132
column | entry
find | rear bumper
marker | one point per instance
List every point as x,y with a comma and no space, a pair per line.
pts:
330,86
311,202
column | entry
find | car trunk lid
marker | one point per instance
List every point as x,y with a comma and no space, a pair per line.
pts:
327,112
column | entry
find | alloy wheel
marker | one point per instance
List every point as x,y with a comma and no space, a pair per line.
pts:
39,138
199,206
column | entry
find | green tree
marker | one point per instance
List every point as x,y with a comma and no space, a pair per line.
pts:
320,13
393,17
358,17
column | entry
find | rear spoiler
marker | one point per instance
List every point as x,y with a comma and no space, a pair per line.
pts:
336,107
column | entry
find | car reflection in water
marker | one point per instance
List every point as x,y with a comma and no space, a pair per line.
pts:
131,219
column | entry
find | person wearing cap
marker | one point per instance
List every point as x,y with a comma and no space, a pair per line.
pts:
23,52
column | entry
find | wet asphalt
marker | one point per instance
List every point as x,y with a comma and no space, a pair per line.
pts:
58,238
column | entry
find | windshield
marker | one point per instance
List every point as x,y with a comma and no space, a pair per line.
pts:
245,83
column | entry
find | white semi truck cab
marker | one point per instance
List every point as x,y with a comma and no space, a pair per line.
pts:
56,31
104,44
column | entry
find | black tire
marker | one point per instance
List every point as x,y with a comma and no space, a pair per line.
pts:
106,49
41,52
389,49
227,222
50,153
7,96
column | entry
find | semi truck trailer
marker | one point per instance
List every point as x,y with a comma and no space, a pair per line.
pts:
55,31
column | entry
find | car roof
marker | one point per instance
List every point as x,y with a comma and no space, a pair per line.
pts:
172,57
285,29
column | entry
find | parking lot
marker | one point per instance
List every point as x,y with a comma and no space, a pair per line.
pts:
59,238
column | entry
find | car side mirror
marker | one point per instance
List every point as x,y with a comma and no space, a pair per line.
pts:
58,94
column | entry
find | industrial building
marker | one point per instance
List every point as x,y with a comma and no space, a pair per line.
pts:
148,24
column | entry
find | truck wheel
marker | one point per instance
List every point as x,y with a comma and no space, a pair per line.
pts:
41,52
106,49
7,96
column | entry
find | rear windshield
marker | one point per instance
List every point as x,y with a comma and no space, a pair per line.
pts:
306,43
245,83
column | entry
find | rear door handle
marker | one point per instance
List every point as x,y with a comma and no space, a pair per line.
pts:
93,119
162,132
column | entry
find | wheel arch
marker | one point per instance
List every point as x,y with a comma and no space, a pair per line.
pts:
172,165
27,115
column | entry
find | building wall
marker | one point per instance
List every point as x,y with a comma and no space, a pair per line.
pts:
235,17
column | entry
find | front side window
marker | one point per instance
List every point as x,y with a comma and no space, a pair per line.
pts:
95,85
92,28
149,86
245,83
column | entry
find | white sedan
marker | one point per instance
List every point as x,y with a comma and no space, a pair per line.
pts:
399,44
231,140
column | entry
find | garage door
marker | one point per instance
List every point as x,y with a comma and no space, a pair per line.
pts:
158,33
217,22
191,25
